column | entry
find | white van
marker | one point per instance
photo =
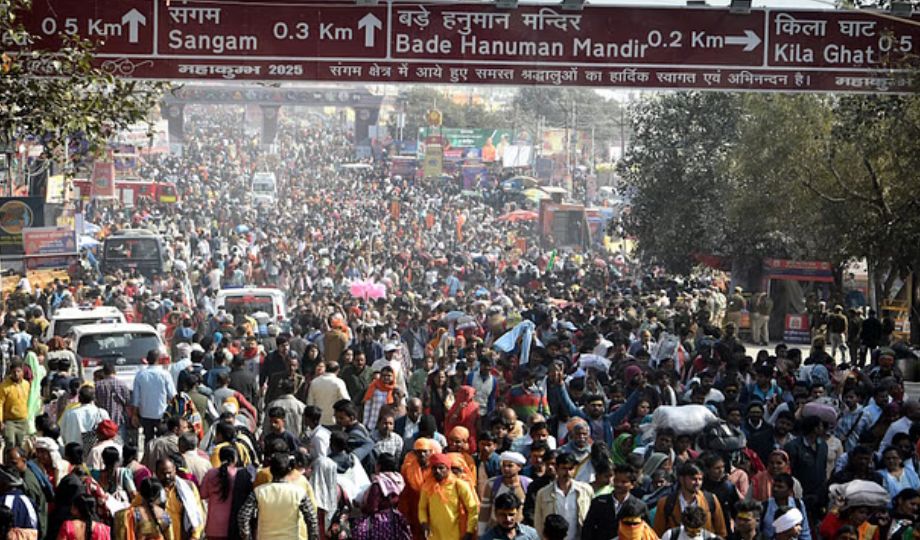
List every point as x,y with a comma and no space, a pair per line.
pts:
249,300
126,345
264,188
65,319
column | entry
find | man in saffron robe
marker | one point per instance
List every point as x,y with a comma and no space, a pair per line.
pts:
415,471
444,499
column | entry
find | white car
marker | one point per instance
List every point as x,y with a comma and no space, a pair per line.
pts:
126,345
249,300
264,188
65,319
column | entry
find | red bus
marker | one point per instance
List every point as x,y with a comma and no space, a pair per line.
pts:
129,190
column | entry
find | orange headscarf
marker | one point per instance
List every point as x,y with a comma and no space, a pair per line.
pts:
415,477
459,460
440,459
338,323
464,462
378,384
431,485
436,340
412,470
461,432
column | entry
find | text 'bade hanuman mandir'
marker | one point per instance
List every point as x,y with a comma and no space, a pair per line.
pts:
474,46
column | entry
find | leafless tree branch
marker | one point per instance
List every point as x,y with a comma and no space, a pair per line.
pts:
833,200
846,189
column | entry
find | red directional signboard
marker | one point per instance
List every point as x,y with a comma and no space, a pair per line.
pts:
597,36
285,40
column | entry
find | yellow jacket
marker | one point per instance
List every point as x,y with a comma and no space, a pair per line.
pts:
279,511
443,515
14,400
241,450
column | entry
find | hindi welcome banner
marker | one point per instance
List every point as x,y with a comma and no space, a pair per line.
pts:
49,241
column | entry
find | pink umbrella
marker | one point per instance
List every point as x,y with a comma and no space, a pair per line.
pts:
367,290
377,291
359,289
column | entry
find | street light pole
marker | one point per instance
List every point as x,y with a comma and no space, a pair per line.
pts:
402,105
574,141
6,172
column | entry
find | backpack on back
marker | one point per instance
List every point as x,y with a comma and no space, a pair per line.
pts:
671,502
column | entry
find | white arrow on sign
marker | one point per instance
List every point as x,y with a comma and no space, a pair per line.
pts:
750,40
369,23
134,19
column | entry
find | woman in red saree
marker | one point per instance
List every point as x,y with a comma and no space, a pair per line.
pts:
464,413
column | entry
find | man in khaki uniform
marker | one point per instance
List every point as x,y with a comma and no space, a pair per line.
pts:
761,307
735,306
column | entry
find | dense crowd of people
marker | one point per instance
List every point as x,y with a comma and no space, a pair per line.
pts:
498,388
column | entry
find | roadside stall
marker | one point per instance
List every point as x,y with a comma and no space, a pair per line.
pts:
789,283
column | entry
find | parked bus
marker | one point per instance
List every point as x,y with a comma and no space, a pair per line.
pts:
135,249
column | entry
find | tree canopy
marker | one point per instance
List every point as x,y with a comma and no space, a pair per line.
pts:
752,176
421,99
676,166
57,96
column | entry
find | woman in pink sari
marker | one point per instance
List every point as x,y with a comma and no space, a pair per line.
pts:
84,524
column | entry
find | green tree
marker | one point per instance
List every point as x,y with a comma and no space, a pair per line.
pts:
876,156
60,95
856,158
418,100
677,168
771,213
802,177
